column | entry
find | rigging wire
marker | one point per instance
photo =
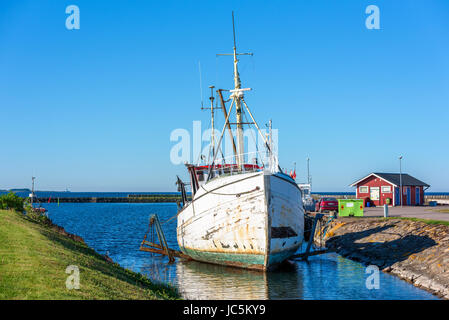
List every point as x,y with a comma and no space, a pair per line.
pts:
201,145
255,141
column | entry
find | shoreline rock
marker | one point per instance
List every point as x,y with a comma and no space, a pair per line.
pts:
414,251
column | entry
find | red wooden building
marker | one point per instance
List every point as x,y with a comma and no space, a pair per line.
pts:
382,186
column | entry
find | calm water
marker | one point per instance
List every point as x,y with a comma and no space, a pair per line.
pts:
118,229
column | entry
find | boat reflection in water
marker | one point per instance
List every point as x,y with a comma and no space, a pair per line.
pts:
328,276
196,280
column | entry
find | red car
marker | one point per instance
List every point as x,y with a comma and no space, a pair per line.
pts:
326,204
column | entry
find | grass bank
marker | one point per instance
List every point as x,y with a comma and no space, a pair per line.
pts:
426,221
34,258
441,210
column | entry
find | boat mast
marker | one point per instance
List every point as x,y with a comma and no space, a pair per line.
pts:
212,145
270,143
270,132
237,95
237,98
212,118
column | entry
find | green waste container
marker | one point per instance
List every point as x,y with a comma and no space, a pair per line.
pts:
350,207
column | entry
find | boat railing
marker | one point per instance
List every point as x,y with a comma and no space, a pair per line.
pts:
227,167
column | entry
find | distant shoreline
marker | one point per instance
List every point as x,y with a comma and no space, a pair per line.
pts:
25,193
160,197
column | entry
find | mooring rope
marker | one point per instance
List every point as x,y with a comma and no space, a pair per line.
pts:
231,194
217,193
170,218
326,227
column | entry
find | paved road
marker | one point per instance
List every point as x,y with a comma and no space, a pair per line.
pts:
423,212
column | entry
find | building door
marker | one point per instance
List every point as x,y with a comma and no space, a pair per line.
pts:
374,194
397,196
409,198
417,196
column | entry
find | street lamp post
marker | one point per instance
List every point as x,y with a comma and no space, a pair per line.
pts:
400,178
32,190
308,172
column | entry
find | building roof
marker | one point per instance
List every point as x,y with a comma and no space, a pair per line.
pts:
394,178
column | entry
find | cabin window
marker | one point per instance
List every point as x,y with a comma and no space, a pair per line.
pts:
386,189
363,189
200,176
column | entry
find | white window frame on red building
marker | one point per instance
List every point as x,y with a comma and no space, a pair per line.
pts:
367,189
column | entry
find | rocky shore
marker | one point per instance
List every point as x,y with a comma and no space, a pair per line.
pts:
414,251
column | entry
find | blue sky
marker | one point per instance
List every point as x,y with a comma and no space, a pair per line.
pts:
93,109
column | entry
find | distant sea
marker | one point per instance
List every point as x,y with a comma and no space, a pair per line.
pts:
65,194
68,194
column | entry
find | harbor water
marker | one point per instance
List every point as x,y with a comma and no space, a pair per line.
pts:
117,229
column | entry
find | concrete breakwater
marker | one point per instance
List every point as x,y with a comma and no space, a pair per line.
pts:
130,199
414,251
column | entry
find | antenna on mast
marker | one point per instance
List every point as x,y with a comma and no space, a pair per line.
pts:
201,84
233,31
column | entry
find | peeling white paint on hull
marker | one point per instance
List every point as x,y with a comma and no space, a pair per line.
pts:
250,220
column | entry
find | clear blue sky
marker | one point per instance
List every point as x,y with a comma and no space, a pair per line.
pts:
93,109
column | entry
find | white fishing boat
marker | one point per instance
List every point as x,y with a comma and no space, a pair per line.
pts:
241,214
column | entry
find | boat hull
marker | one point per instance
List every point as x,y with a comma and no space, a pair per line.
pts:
250,220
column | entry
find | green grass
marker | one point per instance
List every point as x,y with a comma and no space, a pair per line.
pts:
34,258
428,221
441,210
